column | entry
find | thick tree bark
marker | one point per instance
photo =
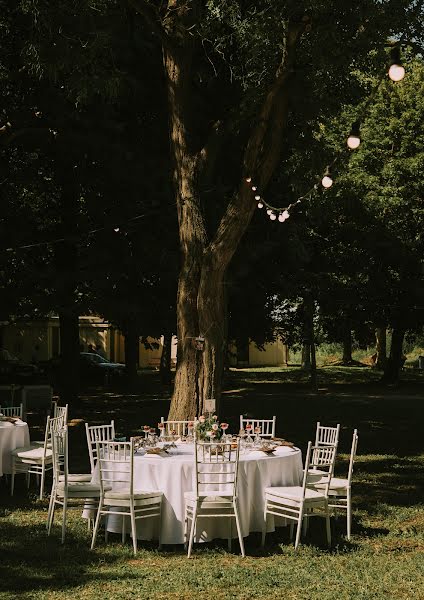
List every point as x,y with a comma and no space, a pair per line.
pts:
395,360
132,355
306,356
201,308
381,348
347,346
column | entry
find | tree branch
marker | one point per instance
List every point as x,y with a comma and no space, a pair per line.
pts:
152,17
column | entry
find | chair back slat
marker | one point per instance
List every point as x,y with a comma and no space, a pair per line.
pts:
322,458
180,427
267,425
98,433
327,436
60,411
116,465
12,411
353,450
59,442
216,468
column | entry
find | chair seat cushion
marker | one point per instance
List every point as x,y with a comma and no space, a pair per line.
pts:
125,495
32,452
294,493
214,496
76,477
337,483
78,489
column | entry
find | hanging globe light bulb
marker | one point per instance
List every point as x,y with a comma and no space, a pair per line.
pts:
257,197
281,218
286,214
396,69
272,216
248,179
269,211
254,188
327,181
260,204
354,138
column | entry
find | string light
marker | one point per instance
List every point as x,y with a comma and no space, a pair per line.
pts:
327,181
396,73
396,70
354,138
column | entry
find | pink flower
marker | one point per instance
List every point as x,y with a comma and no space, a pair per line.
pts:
190,424
202,419
174,432
210,434
248,426
215,418
257,429
215,426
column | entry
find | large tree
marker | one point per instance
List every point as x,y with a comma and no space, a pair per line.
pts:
262,58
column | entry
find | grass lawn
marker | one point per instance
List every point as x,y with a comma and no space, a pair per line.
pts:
385,558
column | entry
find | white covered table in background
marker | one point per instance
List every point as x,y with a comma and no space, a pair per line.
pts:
173,475
11,437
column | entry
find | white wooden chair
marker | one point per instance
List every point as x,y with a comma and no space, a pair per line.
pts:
180,427
267,426
327,436
215,493
66,487
98,433
116,468
297,503
12,411
340,490
36,458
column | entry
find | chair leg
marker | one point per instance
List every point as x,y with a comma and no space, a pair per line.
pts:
51,518
123,529
305,525
264,527
185,528
348,514
64,507
193,525
327,524
133,529
160,527
43,475
51,502
96,526
239,530
299,528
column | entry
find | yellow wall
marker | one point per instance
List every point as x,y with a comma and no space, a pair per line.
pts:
273,355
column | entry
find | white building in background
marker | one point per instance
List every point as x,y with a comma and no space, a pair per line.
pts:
39,340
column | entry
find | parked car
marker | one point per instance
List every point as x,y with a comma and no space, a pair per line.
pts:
94,366
14,370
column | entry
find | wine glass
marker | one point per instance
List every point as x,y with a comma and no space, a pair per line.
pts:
258,439
249,439
161,428
224,427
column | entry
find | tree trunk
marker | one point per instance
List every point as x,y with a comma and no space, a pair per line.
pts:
165,359
381,348
69,350
347,346
306,356
132,355
201,308
395,361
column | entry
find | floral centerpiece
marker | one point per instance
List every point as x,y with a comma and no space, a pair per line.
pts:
208,429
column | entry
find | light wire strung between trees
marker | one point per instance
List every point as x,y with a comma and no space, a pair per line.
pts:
396,73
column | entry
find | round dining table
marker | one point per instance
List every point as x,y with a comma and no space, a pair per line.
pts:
12,435
174,474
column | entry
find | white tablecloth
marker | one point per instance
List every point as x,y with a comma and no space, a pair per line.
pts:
174,475
11,437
